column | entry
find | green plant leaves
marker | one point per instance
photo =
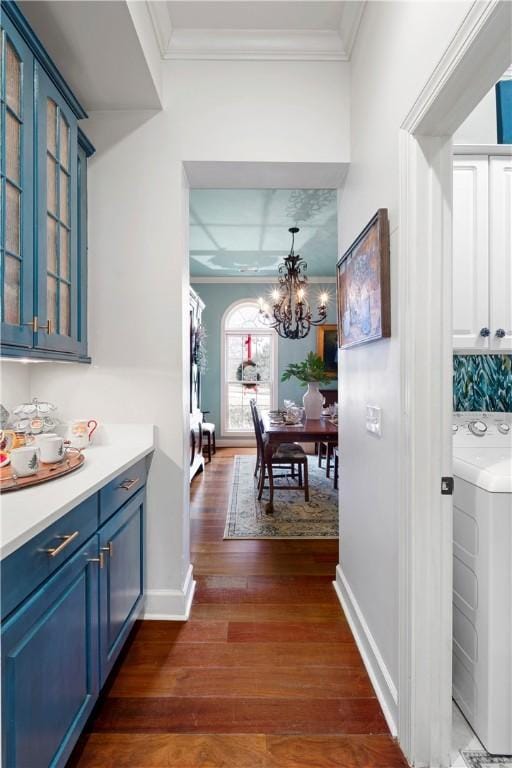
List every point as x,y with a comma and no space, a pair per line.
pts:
310,369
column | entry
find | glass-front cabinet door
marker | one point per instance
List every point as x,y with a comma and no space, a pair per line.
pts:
57,203
16,189
43,202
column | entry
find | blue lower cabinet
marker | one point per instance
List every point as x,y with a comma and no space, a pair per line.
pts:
66,617
50,676
121,579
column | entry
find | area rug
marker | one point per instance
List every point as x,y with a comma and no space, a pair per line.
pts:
292,518
483,760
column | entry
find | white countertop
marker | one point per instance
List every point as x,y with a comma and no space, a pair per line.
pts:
27,512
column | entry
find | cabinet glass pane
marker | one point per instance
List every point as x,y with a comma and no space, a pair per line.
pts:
51,301
12,281
51,244
65,310
51,127
12,219
64,197
12,79
51,184
64,253
12,147
64,143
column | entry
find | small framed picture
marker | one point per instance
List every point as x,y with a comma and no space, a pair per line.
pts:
363,286
327,348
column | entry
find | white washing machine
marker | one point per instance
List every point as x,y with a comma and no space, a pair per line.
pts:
482,575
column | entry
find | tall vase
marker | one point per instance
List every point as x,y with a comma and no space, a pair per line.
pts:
313,401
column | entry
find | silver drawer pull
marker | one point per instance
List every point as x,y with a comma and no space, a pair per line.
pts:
100,559
127,484
109,548
65,541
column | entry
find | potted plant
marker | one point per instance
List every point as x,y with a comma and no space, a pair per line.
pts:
311,372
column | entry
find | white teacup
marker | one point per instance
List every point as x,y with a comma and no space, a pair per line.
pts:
25,460
39,439
52,449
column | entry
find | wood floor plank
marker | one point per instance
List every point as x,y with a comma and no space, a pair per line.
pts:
105,750
182,631
249,682
258,564
289,632
265,674
240,715
334,752
265,612
151,654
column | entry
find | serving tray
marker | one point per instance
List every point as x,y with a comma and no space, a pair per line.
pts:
72,461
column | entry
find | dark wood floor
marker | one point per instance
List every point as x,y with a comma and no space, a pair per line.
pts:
265,674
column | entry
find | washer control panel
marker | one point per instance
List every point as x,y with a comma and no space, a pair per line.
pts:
470,427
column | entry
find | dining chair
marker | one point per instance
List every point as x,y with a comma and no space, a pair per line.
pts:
326,448
286,455
259,453
208,428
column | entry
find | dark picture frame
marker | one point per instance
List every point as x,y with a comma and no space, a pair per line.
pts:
363,286
327,348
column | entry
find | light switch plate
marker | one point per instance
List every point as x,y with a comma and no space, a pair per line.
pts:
373,420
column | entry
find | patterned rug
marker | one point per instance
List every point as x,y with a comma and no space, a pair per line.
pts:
483,760
292,518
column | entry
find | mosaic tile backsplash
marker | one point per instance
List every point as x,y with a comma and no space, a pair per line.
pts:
482,383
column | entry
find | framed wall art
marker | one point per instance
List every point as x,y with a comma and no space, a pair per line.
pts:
327,348
363,286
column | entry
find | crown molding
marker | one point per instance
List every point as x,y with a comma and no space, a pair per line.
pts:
254,280
162,26
255,45
351,15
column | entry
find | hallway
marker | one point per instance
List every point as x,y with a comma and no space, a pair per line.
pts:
265,674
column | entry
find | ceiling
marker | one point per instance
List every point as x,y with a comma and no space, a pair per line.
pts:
244,232
97,47
256,29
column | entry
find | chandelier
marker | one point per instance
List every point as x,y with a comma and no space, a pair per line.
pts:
290,314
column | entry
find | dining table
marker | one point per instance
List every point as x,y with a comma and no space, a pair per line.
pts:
307,431
324,429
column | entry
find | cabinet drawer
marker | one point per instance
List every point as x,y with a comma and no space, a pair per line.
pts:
31,564
122,488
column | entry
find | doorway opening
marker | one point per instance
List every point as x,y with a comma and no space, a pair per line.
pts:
476,59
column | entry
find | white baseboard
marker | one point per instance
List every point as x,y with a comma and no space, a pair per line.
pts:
170,604
382,682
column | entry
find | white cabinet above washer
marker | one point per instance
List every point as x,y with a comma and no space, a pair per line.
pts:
500,252
482,253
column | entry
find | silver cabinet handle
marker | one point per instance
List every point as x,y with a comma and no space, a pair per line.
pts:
109,548
67,539
99,559
127,484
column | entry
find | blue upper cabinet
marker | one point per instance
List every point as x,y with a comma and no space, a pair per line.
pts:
16,187
44,205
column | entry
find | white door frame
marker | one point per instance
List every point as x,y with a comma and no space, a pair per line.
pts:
477,56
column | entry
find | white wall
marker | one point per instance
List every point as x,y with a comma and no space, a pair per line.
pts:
15,383
138,275
397,48
480,126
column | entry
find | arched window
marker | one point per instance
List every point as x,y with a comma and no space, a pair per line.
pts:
249,353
